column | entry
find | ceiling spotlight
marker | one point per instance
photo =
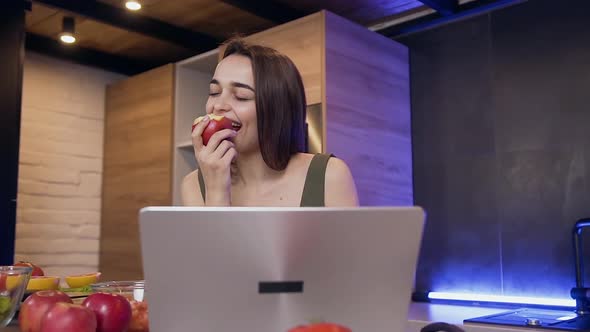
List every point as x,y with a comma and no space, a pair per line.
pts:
132,5
68,29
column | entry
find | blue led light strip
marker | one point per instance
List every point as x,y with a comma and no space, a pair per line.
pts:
501,299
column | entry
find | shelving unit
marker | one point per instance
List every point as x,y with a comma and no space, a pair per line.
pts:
191,92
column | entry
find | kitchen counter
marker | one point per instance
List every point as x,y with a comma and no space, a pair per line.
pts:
422,314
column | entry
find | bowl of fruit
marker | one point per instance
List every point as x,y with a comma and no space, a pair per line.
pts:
76,286
134,291
13,282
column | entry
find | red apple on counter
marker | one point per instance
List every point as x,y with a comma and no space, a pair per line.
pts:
67,317
35,307
113,311
3,278
37,271
216,123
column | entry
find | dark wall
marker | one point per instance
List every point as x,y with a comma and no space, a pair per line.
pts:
12,36
501,143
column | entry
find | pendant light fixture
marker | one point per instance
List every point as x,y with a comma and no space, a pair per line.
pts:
68,29
133,5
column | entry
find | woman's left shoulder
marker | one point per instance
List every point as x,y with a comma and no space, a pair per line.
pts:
339,184
337,168
340,189
335,165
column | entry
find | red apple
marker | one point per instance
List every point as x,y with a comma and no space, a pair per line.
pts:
216,123
37,271
2,282
67,317
113,311
36,305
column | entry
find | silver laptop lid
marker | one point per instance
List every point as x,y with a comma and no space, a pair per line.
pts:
270,269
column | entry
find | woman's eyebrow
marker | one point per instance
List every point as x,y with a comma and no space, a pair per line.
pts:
234,84
242,85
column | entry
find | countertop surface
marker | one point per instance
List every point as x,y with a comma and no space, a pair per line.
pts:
422,314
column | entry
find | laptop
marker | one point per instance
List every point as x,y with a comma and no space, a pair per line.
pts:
271,269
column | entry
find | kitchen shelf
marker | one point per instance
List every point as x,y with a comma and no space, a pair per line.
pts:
191,92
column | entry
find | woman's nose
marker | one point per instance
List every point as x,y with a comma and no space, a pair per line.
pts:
221,106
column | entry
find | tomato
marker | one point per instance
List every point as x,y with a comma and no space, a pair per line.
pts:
299,328
139,316
321,327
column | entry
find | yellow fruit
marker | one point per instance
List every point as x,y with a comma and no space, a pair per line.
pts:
13,282
38,283
82,279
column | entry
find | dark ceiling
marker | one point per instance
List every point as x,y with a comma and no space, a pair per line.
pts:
163,31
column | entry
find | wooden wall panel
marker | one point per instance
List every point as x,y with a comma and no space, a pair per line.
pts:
60,165
368,110
301,40
137,165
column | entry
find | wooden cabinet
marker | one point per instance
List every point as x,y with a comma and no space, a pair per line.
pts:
366,100
137,165
302,41
356,79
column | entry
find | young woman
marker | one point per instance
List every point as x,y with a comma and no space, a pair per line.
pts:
260,162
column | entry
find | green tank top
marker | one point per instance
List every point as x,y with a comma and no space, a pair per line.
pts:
314,187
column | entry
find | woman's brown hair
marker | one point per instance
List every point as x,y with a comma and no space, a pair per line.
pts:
280,102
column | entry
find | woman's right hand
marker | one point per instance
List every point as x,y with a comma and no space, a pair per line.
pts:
214,160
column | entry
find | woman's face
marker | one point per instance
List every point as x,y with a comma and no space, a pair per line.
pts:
232,94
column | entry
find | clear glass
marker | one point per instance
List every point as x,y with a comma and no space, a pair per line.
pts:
13,283
132,290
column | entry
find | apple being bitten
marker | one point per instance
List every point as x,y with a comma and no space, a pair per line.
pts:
216,123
